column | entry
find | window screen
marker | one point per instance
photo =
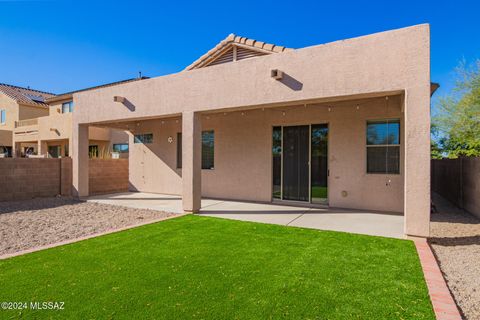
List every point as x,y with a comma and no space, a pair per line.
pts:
208,142
277,162
208,146
179,150
383,146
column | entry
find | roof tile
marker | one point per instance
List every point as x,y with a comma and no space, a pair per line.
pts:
26,95
232,40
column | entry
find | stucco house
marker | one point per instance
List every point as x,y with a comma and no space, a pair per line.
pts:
18,104
344,124
51,134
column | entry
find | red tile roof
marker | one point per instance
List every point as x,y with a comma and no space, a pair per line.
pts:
234,40
26,95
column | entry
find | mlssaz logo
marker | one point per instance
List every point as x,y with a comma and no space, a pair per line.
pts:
47,305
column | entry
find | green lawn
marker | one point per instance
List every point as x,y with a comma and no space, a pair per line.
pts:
206,268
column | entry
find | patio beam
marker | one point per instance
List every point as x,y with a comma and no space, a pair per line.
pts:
191,161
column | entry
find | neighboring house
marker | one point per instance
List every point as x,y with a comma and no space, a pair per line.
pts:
344,124
18,104
50,136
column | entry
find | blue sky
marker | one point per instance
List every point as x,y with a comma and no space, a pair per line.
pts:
60,46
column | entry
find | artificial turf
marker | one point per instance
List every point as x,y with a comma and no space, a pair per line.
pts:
196,267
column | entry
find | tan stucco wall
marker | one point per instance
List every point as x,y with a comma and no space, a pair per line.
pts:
394,61
6,129
29,112
243,158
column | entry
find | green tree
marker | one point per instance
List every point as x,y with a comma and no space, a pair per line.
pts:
456,125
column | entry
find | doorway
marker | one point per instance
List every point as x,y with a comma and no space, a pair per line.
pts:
300,163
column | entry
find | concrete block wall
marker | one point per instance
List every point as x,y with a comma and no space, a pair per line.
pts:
458,180
108,176
23,178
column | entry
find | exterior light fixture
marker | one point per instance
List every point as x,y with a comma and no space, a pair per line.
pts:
276,74
358,107
283,113
170,139
329,109
119,99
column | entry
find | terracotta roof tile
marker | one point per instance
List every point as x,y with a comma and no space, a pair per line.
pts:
232,40
26,95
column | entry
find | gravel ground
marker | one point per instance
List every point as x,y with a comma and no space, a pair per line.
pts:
456,244
33,223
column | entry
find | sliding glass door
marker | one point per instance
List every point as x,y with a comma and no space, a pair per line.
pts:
300,163
295,163
319,163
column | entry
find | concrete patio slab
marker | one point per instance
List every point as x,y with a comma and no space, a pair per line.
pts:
353,221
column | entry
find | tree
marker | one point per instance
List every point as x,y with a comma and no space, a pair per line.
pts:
456,126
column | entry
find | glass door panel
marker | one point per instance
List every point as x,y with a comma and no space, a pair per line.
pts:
296,163
319,163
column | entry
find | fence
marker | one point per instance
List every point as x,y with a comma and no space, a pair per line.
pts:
31,178
458,180
27,178
107,176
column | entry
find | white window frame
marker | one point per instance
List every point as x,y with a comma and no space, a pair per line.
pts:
384,145
3,114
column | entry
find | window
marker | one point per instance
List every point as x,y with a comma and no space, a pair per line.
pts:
383,146
3,116
53,151
208,142
208,146
66,150
277,162
143,138
120,147
67,107
93,151
179,150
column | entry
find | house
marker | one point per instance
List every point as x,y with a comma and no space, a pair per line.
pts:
18,104
344,124
51,134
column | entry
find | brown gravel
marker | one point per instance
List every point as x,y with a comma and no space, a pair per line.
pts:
38,222
455,239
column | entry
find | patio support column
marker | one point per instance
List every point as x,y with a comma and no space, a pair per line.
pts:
16,150
417,161
191,161
41,147
80,160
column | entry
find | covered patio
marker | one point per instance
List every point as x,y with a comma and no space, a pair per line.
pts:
375,223
281,128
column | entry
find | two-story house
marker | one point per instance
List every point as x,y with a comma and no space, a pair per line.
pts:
18,105
51,135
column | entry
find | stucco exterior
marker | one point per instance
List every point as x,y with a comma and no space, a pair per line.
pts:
15,112
55,129
335,76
